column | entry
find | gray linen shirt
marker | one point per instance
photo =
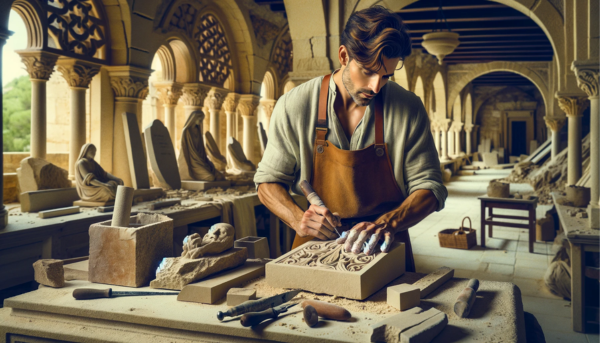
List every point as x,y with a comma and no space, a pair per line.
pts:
288,158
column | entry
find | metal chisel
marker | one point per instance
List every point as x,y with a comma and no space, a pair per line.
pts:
93,293
255,318
258,305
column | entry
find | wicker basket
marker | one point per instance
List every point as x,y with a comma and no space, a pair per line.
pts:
462,238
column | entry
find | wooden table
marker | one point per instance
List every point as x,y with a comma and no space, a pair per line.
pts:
512,204
583,240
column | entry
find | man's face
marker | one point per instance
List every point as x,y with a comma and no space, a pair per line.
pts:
362,84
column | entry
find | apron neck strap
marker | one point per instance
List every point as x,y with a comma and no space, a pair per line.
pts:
322,115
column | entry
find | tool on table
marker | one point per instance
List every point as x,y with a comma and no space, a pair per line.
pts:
466,299
258,305
327,310
255,318
314,198
93,293
311,317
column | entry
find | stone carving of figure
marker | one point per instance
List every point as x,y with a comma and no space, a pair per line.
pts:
93,183
193,162
239,163
213,152
218,239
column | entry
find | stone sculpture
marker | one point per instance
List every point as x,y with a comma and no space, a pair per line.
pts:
94,184
200,258
214,154
193,161
36,174
238,163
329,255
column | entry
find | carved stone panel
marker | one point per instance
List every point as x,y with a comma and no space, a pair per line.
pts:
215,56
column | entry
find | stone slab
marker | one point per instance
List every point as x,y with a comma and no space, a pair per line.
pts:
57,212
372,276
83,203
434,280
490,158
258,247
403,296
48,199
136,155
129,256
399,328
210,290
37,174
193,185
105,209
140,195
236,296
162,154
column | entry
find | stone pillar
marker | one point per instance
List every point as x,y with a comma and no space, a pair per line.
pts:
130,85
247,107
443,126
468,138
193,95
3,212
78,75
268,106
573,106
169,94
587,80
230,106
457,129
39,65
555,124
214,101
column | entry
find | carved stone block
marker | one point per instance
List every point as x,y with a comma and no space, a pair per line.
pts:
129,256
49,272
47,199
323,267
403,296
38,174
258,247
236,296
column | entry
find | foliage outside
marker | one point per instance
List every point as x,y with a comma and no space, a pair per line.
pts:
16,115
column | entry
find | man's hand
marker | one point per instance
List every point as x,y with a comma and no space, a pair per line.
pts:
318,222
363,237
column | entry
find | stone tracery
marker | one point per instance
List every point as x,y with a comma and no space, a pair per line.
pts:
215,56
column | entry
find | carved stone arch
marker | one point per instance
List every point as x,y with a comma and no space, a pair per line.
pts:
439,86
468,109
419,88
118,31
401,78
30,12
186,65
167,61
270,85
282,54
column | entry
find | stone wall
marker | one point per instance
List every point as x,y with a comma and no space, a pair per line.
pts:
12,160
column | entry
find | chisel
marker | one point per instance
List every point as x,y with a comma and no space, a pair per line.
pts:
93,293
258,305
314,198
255,318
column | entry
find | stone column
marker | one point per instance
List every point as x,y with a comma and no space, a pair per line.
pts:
247,107
587,80
443,126
3,212
78,75
457,129
468,138
268,106
130,85
555,124
39,65
230,106
573,106
169,94
214,101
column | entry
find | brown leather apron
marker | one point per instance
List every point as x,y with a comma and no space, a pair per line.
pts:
357,184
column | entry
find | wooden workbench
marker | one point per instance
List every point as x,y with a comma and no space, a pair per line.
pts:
53,315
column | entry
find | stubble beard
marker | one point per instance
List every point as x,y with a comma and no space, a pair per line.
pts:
347,81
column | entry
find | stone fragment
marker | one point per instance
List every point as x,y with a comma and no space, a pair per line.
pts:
161,154
57,212
49,272
403,296
579,196
414,325
236,296
218,239
258,247
47,199
178,272
426,331
37,174
129,256
431,282
497,189
544,229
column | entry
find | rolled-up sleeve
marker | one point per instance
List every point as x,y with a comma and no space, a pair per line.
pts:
421,164
279,162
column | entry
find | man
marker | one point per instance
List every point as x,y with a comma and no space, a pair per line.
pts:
362,142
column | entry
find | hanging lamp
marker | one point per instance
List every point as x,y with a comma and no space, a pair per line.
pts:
439,42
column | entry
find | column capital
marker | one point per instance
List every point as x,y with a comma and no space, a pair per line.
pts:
39,64
194,94
129,82
215,98
78,74
469,127
555,123
587,75
169,92
456,126
231,102
248,104
572,104
444,124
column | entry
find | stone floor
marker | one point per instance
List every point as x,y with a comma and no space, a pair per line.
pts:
505,258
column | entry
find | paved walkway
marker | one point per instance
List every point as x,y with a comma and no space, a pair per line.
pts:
505,258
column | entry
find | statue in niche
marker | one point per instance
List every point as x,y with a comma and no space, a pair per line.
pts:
94,184
328,255
193,161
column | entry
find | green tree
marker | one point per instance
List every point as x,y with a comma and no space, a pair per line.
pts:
16,115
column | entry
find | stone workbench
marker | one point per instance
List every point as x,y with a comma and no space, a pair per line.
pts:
54,315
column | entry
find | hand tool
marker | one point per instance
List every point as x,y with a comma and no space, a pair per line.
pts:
466,299
255,318
258,305
314,198
92,293
311,317
327,310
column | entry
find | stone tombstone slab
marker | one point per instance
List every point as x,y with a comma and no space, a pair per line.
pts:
323,267
129,256
162,154
135,152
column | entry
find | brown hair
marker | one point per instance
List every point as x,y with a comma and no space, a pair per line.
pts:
373,33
